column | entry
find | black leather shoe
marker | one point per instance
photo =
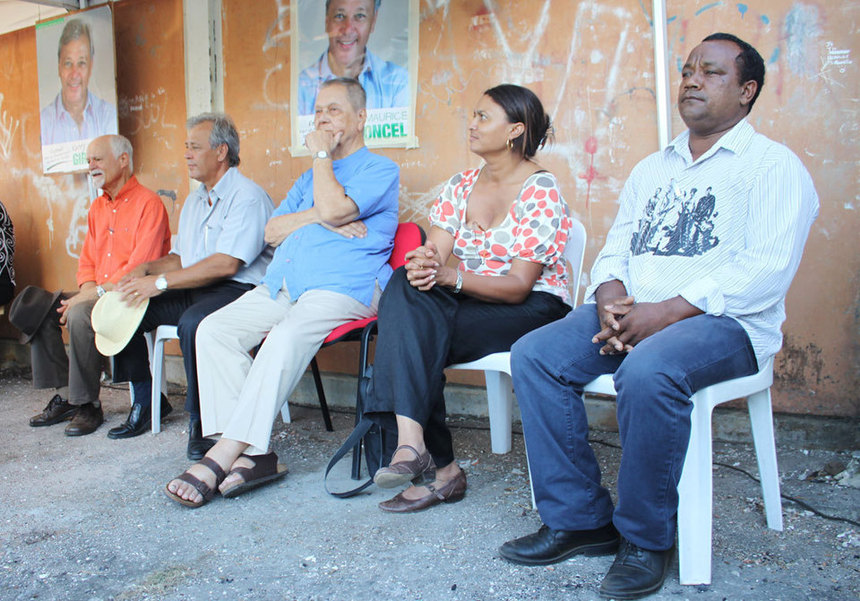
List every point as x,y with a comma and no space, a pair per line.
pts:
87,419
139,420
636,572
58,410
548,546
197,445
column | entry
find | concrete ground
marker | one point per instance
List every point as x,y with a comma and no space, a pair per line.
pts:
85,518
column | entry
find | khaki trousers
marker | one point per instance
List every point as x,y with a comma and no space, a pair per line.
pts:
240,395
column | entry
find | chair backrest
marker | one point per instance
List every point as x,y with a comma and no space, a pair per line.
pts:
408,236
574,252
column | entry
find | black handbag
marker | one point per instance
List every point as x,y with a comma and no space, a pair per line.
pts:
379,444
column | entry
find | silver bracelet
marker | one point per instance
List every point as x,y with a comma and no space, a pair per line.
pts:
459,285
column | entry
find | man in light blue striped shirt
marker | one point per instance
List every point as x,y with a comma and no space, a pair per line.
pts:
688,291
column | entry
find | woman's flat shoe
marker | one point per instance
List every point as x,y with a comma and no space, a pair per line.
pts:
201,487
266,469
451,492
398,474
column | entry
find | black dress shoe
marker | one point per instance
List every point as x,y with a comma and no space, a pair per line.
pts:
548,546
87,419
197,445
58,410
139,420
636,572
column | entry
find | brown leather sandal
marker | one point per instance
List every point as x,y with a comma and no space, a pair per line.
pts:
402,472
266,469
198,484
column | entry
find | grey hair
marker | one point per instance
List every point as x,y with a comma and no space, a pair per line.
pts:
74,29
223,132
354,91
375,6
120,144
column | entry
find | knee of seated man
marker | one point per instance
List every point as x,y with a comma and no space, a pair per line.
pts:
79,316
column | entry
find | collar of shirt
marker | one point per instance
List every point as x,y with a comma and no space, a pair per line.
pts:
125,190
736,140
211,197
325,73
62,113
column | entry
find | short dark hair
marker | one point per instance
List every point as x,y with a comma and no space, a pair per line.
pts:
521,105
376,4
749,62
354,91
223,132
72,30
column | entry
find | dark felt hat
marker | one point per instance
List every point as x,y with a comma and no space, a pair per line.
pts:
30,308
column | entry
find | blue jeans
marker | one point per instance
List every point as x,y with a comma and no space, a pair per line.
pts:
552,365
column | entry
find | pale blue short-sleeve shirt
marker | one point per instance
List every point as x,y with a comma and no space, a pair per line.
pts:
316,258
233,225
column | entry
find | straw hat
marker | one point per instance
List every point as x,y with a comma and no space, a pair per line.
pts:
115,322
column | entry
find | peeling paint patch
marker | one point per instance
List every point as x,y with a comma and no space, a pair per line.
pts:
799,366
801,31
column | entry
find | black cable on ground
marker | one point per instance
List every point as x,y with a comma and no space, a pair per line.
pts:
804,505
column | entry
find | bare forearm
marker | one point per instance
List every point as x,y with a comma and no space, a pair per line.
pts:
330,200
210,270
169,262
281,227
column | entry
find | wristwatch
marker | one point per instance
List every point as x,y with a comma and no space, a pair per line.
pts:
100,291
459,285
161,282
322,154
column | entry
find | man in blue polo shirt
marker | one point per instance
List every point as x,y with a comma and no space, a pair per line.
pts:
333,235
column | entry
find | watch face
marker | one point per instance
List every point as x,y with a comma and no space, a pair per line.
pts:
322,154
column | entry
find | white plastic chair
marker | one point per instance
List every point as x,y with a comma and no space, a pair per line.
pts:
497,366
156,339
695,490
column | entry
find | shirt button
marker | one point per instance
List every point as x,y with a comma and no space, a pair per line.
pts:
108,254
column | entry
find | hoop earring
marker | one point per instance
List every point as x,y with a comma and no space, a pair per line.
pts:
509,145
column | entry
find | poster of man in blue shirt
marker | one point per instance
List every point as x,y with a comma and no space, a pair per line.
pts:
75,114
343,50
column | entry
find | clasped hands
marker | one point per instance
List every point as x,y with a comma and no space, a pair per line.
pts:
625,323
423,271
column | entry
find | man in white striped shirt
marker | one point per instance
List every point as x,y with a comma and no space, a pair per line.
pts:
688,291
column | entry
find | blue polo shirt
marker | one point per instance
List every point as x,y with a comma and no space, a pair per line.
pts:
315,258
229,219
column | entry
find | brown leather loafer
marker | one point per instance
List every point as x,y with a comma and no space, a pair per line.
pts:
86,420
398,474
451,492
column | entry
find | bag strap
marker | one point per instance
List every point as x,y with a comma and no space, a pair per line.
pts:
354,439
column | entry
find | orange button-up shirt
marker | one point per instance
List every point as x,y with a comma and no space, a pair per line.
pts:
122,233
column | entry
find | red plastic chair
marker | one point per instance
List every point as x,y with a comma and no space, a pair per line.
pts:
408,236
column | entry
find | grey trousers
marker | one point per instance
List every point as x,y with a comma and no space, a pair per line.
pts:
82,368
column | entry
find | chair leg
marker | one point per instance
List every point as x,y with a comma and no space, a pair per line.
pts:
363,365
156,368
321,395
500,397
695,492
761,420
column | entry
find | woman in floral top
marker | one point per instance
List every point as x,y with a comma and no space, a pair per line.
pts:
507,225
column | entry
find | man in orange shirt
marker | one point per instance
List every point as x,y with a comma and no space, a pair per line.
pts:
127,225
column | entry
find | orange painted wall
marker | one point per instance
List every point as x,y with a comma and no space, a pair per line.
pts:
592,64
